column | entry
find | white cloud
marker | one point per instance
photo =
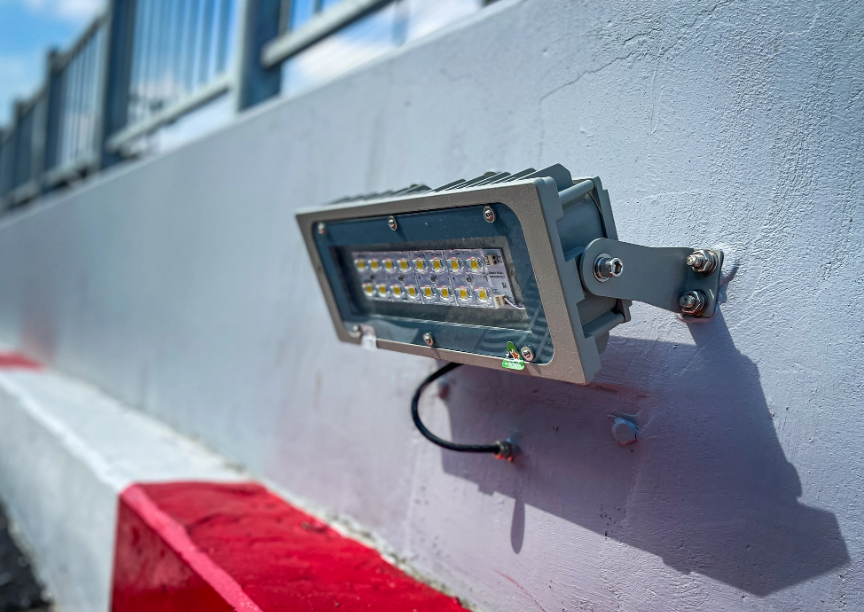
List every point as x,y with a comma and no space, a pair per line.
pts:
20,76
68,10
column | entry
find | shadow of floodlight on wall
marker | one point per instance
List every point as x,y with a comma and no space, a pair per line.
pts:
707,487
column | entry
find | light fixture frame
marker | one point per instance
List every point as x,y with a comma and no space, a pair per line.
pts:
539,203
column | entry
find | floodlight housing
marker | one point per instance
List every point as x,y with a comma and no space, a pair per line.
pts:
521,271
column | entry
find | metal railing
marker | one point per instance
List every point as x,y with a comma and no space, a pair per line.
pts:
142,65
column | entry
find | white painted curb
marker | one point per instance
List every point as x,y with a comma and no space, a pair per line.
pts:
66,452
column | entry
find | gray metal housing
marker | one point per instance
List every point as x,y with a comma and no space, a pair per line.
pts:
559,216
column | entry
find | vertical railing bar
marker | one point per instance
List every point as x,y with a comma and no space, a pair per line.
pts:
204,68
86,90
146,46
100,72
73,104
87,110
193,45
133,107
285,11
182,46
61,116
150,79
224,16
176,28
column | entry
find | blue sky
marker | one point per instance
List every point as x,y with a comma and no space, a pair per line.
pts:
28,28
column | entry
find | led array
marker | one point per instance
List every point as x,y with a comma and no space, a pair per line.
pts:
457,277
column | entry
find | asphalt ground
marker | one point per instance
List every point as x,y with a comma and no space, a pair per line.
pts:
19,589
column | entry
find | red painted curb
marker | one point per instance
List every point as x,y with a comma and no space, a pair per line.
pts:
191,546
12,360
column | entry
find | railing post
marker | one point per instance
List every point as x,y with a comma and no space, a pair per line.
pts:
114,104
253,83
54,100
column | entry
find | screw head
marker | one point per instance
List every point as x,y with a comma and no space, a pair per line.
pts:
703,261
321,229
428,339
693,302
488,214
527,353
606,267
356,331
391,221
624,431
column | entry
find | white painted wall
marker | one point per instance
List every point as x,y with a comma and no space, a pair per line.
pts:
180,285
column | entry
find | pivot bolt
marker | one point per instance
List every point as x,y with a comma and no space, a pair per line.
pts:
703,261
693,302
322,229
391,221
606,267
527,353
428,339
489,214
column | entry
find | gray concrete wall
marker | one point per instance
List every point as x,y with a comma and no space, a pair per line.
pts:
180,285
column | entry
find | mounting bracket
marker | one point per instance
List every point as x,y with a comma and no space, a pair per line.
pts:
679,279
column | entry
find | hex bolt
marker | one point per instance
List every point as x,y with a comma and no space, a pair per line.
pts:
391,221
693,302
606,267
527,353
322,229
428,339
488,214
703,261
624,431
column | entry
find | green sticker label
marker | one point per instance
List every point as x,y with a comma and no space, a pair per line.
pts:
513,364
514,359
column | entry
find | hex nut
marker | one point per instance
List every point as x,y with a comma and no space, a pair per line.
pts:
703,261
527,353
693,302
428,339
624,431
606,267
489,214
391,221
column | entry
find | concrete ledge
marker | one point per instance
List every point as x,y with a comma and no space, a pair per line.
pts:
196,536
66,452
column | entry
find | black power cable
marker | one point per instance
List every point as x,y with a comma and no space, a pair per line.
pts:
502,449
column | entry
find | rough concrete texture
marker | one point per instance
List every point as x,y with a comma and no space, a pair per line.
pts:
181,285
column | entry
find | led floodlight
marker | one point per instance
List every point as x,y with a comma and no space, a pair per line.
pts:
521,271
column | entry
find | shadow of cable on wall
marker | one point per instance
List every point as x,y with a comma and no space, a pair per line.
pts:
707,486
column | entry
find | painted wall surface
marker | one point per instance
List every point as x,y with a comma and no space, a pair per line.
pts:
180,284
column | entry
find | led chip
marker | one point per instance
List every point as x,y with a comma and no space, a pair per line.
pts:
369,289
411,290
388,264
382,290
437,264
397,291
463,294
404,265
475,264
374,265
428,293
444,292
455,264
420,264
482,294
360,264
